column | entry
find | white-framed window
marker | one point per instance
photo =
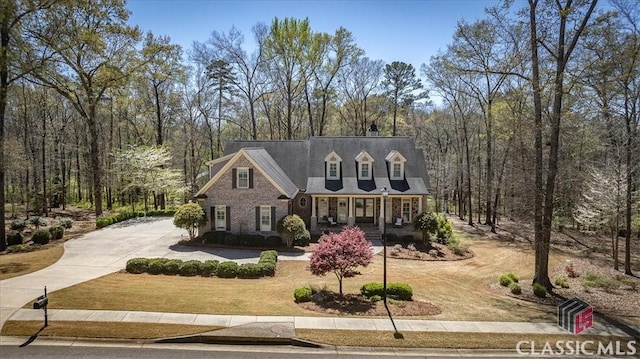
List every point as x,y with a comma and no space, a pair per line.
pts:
333,170
397,170
364,165
365,173
265,218
396,165
333,166
406,209
221,218
242,180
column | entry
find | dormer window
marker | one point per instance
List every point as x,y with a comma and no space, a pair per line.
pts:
332,162
396,165
365,163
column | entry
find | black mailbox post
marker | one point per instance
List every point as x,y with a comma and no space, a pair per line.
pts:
41,303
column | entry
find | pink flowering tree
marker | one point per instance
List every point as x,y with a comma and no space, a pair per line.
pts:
341,253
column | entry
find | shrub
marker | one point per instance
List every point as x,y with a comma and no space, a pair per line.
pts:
171,267
375,298
41,236
267,269
302,294
249,270
407,238
273,241
14,237
505,280
431,223
393,238
103,222
515,288
514,278
457,247
156,265
230,239
65,222
57,232
190,216
571,273
303,239
213,237
598,281
190,268
18,225
269,255
401,291
209,268
292,227
539,290
434,252
137,265
227,270
37,222
562,282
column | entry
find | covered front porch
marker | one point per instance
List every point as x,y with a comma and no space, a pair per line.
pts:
339,210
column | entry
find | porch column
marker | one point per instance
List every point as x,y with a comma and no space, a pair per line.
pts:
314,218
351,220
420,205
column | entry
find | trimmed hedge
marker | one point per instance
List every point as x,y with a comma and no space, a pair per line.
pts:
137,265
227,270
251,240
190,268
41,236
401,291
266,266
209,268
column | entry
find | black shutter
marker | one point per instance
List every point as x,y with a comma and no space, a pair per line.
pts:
213,218
228,218
250,177
233,178
257,218
273,218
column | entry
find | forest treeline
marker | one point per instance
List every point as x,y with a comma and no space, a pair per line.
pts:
537,114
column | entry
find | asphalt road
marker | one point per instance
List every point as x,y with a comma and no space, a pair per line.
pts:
213,351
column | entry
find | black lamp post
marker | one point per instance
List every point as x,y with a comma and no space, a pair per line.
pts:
385,195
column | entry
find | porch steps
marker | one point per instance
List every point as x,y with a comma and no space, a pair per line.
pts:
372,235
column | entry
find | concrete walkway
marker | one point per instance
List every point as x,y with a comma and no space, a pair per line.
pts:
347,323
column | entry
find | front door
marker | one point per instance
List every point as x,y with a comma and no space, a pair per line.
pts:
365,210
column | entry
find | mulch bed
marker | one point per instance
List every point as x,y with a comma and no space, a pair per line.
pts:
622,301
422,252
356,304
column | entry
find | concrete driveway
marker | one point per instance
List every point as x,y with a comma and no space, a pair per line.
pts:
106,251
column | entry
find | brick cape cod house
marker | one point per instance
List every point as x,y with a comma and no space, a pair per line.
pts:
325,180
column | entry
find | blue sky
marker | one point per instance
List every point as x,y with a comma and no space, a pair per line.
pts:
410,31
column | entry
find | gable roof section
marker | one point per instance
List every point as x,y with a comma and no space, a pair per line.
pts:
291,156
262,162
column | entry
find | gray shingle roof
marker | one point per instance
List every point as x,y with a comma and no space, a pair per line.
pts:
272,169
303,162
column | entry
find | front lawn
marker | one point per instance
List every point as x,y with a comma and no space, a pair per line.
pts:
461,289
17,264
